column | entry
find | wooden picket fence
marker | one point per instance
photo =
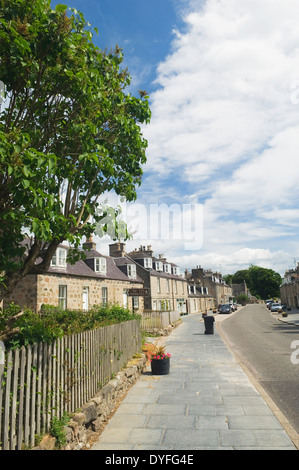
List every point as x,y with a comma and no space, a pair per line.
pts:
41,381
158,319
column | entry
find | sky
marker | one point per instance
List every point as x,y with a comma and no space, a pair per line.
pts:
221,183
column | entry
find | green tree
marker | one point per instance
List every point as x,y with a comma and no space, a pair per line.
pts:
240,276
228,278
262,282
69,132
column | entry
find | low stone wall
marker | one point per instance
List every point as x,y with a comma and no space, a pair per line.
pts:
86,425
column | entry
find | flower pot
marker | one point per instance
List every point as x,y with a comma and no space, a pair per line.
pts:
284,314
160,366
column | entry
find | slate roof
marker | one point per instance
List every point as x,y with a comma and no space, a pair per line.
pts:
84,268
138,256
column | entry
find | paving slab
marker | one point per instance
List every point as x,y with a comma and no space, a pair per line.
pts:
206,402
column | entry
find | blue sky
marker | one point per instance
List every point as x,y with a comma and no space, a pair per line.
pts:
223,79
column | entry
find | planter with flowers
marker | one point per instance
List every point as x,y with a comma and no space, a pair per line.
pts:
159,359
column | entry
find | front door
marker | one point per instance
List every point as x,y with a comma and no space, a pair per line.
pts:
85,298
125,298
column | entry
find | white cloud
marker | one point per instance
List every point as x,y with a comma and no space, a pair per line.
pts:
225,127
225,88
225,132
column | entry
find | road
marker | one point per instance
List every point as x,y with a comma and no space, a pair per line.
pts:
263,344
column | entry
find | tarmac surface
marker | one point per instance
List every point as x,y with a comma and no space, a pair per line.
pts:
206,402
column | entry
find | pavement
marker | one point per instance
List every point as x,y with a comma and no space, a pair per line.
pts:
292,318
206,402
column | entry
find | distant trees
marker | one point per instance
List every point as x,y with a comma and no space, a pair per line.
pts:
262,282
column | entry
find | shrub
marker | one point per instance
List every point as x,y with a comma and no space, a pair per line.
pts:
53,322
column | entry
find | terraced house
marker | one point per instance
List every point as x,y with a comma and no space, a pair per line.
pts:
168,289
97,280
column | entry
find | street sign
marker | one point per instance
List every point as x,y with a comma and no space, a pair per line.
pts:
138,292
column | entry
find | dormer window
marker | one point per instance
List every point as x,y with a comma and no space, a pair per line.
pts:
167,268
100,265
132,271
176,270
159,266
148,263
59,258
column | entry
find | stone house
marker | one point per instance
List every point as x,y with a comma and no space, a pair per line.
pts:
241,289
211,285
97,280
168,289
289,289
199,299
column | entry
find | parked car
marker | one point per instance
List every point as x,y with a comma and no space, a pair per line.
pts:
275,307
269,305
225,308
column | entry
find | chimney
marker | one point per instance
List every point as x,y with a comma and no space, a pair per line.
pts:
89,244
117,250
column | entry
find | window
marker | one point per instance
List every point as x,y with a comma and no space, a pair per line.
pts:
167,286
159,266
135,301
175,287
176,270
158,285
62,295
167,268
148,263
132,271
100,265
104,296
59,258
203,290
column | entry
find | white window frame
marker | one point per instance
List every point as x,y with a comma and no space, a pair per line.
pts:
167,268
132,271
62,296
159,266
176,271
158,285
167,286
135,302
100,265
59,258
148,262
104,292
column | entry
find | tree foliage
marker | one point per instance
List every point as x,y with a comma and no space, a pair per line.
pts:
262,282
68,133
